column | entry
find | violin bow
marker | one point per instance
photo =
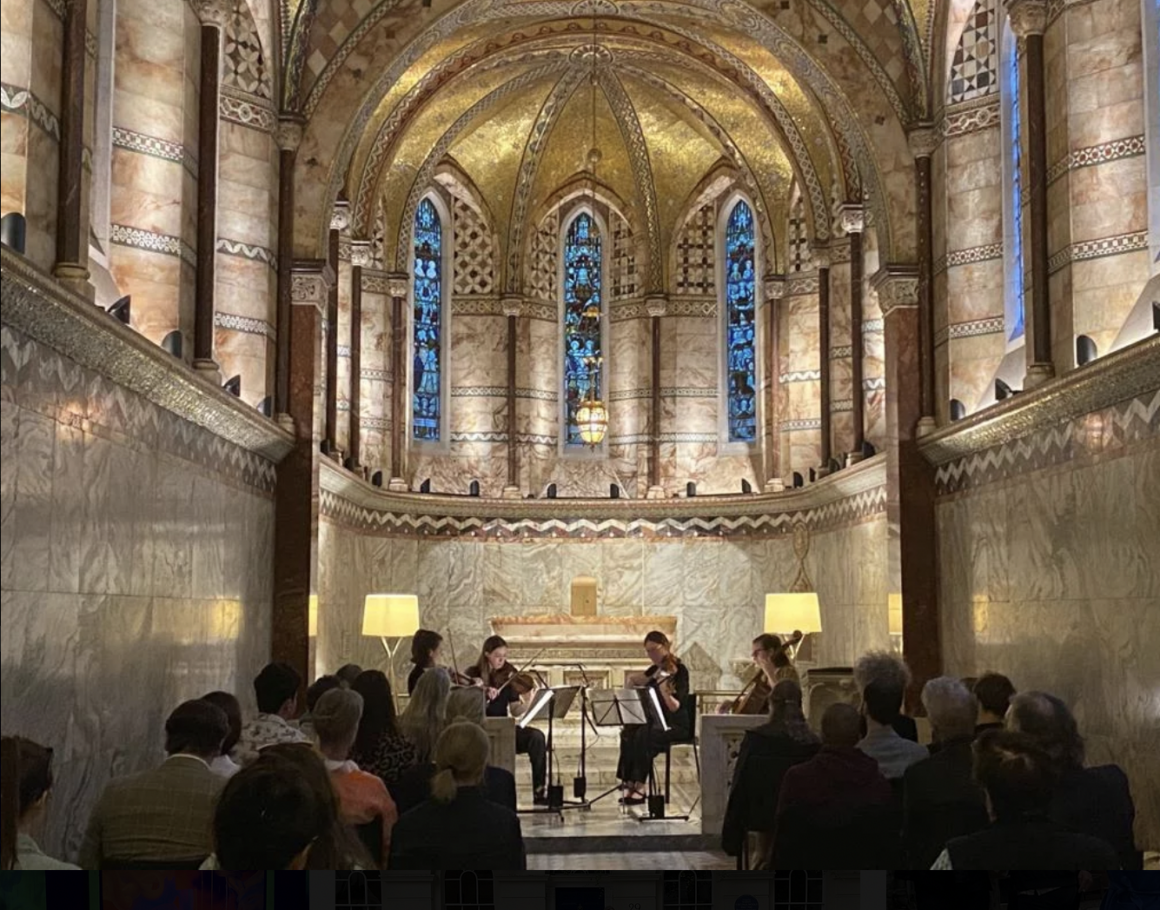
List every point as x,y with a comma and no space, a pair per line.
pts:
454,662
533,659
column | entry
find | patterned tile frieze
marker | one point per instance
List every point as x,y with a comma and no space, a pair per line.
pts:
800,376
376,284
690,438
247,110
480,437
244,66
124,235
975,65
155,148
841,405
629,394
1115,150
807,423
872,327
499,391
376,375
629,439
841,350
344,350
971,117
801,285
874,384
20,101
969,256
244,324
622,312
991,326
537,439
375,423
541,310
690,306
250,251
1097,249
473,271
476,306
688,393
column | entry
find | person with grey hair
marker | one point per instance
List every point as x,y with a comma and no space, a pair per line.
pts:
941,800
882,678
1095,801
362,797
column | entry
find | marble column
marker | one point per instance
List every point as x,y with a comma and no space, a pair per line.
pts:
822,262
1028,22
852,222
657,307
512,307
397,289
339,221
72,229
774,294
360,258
909,479
214,15
288,135
923,142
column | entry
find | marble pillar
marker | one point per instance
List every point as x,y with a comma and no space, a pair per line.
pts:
853,222
288,135
397,289
774,293
339,221
923,141
72,241
822,261
656,312
512,306
360,257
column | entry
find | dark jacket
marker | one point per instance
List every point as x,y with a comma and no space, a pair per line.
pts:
1098,802
940,801
470,832
1032,843
413,678
766,754
836,812
414,787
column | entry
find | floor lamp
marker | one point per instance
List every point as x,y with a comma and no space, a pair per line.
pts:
390,616
793,612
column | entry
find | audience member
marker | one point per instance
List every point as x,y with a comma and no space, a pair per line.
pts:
315,691
380,747
993,692
767,752
1095,801
941,798
228,702
162,816
1018,778
362,797
882,679
26,781
835,811
459,828
426,713
499,785
348,673
425,646
276,690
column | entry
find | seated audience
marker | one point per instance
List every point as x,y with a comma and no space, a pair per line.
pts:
941,799
458,827
276,691
1132,891
835,811
882,679
993,691
26,781
362,797
162,816
348,673
767,752
1095,801
228,702
380,747
1019,778
425,647
499,785
426,713
315,691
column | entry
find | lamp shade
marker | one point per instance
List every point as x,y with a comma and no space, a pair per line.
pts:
390,615
894,613
793,612
312,617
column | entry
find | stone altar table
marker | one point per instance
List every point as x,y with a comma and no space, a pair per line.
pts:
721,736
501,736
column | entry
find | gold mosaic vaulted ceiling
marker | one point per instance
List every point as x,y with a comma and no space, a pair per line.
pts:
816,93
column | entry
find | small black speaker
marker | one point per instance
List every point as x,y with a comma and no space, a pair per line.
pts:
1156,316
613,491
425,486
233,385
835,466
172,344
13,230
120,309
691,489
377,478
798,480
266,406
473,488
958,409
656,806
1002,390
1085,350
813,474
868,450
746,486
551,494
579,787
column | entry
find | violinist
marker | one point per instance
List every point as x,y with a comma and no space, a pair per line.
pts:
506,690
640,742
426,649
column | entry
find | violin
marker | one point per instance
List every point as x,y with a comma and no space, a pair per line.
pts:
507,675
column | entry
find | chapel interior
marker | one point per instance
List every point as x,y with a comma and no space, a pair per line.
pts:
569,322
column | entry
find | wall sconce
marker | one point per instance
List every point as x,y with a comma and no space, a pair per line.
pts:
172,343
233,385
13,228
120,309
1085,350
958,409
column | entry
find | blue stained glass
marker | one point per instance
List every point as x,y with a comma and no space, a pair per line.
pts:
583,306
427,324
1015,329
741,325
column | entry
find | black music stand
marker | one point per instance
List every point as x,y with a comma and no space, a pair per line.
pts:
651,699
615,708
556,702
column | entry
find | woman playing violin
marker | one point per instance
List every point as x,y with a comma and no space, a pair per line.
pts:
640,742
426,649
505,687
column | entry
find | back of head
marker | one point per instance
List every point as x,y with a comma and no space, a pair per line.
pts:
951,708
336,718
348,673
460,759
1015,772
1050,725
468,703
883,667
378,716
320,687
882,701
228,702
841,726
267,815
994,692
25,778
423,643
426,712
196,728
277,684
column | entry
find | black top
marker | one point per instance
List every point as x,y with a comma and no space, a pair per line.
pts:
676,719
413,678
1098,802
497,707
470,832
941,802
1033,843
414,787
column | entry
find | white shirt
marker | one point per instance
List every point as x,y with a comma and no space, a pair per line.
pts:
29,857
225,766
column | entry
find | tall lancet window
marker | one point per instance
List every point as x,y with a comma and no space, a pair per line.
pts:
741,324
583,311
427,325
1014,203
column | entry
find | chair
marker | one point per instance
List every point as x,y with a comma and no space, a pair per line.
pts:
689,709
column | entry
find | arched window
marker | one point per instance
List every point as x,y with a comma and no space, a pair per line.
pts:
583,312
427,325
1013,201
740,284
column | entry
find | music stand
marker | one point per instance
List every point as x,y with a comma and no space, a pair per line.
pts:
615,708
651,700
556,702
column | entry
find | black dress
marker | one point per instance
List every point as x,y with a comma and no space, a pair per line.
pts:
640,742
529,741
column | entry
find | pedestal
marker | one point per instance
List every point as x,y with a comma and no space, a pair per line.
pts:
721,736
925,427
656,492
397,485
1037,375
774,485
285,421
501,734
209,371
510,492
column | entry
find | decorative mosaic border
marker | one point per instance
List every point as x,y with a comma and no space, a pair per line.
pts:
841,405
249,111
21,101
244,324
375,423
690,438
800,376
807,423
968,256
684,306
630,439
971,117
343,350
476,306
622,312
802,285
991,326
1097,249
490,436
1117,149
124,235
376,375
251,251
154,147
838,351
537,439
500,391
873,326
874,384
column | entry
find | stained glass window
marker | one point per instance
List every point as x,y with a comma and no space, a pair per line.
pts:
583,308
427,324
1015,323
741,325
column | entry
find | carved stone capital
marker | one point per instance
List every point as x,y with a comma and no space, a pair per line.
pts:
340,215
398,284
923,140
360,253
310,282
774,287
288,134
656,307
213,12
512,305
896,286
851,219
821,257
1028,17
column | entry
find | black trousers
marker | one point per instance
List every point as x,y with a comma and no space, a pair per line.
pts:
531,742
638,744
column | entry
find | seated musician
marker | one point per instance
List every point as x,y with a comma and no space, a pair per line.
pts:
505,687
640,742
425,648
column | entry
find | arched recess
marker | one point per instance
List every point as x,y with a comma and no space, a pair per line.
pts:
426,398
